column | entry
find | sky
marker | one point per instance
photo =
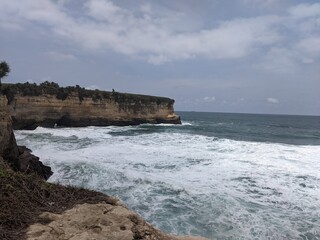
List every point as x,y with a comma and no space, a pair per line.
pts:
246,56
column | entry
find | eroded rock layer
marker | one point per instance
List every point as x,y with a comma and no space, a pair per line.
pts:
46,110
23,197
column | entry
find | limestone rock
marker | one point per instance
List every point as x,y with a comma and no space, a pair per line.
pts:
28,112
97,221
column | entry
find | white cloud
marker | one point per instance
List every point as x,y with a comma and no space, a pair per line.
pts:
58,56
279,60
146,8
9,26
272,100
305,10
155,37
304,19
108,26
286,59
259,3
106,11
209,99
310,45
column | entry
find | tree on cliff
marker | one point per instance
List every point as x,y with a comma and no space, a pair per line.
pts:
4,70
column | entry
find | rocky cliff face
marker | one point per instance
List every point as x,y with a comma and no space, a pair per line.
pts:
8,145
23,197
46,110
18,157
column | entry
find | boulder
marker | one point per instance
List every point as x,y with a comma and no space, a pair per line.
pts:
97,221
28,163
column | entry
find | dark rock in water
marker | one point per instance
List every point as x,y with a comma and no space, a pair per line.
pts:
23,149
29,163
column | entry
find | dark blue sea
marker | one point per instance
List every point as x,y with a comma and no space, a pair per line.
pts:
218,175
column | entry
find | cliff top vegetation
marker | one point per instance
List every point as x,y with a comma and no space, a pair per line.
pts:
4,70
62,93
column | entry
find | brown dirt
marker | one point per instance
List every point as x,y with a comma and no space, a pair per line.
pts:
24,197
32,208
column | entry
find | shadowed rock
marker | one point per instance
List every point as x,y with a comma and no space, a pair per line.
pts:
28,163
24,197
19,158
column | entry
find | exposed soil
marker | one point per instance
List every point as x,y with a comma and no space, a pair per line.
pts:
24,197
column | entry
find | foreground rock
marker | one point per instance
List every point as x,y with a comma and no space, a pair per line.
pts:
35,209
99,222
8,145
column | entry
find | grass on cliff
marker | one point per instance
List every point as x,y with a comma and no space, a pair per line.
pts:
24,197
62,93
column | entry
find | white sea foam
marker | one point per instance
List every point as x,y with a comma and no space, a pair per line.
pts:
191,184
183,123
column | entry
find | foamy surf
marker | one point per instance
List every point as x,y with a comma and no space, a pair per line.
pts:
190,183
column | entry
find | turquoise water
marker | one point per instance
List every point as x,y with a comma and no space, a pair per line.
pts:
222,176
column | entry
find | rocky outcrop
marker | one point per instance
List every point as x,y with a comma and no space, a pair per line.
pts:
119,109
19,158
23,198
97,221
8,145
28,163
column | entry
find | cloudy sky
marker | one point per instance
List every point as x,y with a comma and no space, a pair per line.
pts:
254,56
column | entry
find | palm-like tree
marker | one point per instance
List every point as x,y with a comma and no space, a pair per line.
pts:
4,70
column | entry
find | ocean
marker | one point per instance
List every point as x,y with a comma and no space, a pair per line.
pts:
218,175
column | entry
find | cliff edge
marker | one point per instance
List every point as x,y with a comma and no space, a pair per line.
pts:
49,105
19,158
97,221
31,208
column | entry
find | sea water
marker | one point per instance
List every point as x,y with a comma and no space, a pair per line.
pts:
221,176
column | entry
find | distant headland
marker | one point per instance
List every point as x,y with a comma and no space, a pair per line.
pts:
49,105
32,208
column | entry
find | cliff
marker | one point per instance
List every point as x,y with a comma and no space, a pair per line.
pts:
31,208
49,106
18,157
8,145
